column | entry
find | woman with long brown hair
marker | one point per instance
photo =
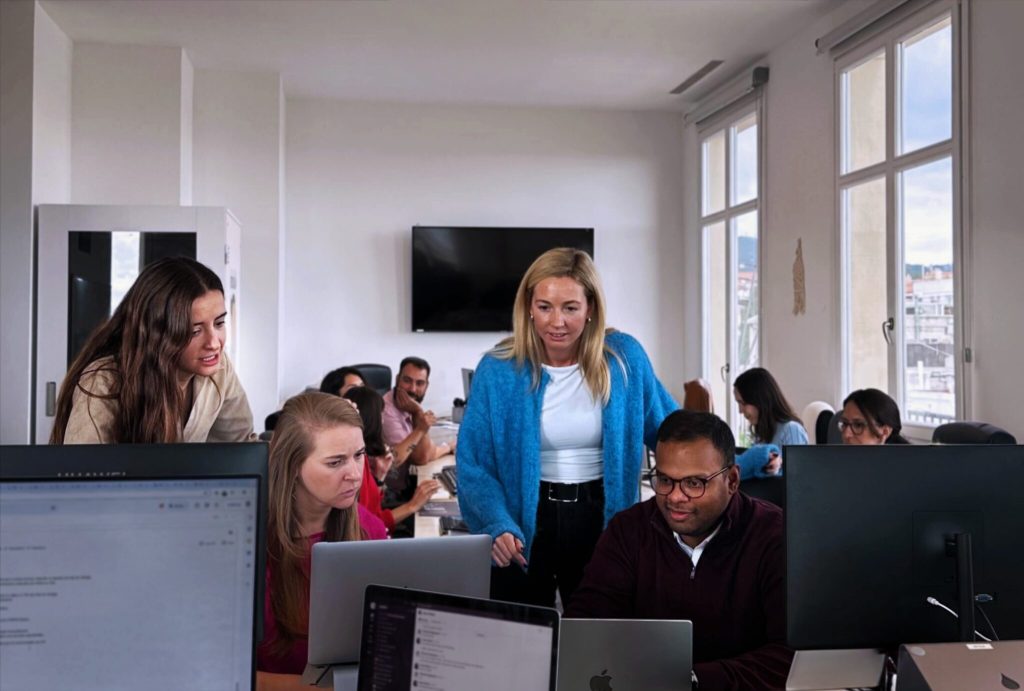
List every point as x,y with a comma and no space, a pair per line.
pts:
156,371
315,472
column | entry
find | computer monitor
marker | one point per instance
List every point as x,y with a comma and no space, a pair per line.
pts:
467,382
434,642
131,566
870,537
341,571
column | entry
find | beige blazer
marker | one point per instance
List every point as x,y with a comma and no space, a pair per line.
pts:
220,409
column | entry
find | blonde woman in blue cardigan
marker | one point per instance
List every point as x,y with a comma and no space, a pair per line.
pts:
553,437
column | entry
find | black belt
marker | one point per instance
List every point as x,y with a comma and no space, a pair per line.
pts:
571,493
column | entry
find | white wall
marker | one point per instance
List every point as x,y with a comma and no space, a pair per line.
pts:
16,57
237,163
997,210
51,106
126,133
360,175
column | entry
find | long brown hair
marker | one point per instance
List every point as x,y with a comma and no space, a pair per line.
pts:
302,418
758,388
144,340
525,346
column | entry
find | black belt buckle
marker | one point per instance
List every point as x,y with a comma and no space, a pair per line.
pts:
560,492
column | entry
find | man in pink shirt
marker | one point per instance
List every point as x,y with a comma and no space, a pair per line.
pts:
405,421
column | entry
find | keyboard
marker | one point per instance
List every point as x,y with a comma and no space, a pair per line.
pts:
448,479
451,524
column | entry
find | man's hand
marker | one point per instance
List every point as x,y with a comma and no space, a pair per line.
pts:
424,420
405,402
506,549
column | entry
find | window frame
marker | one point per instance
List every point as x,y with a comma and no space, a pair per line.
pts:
751,105
891,169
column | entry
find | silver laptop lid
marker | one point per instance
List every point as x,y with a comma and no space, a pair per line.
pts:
433,642
980,666
341,571
625,654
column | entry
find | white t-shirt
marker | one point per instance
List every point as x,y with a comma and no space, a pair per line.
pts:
571,448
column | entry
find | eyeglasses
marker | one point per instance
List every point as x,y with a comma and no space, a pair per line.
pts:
693,487
855,426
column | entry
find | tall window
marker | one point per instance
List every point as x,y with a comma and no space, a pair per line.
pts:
898,160
730,161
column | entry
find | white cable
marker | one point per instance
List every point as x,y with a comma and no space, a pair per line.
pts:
933,601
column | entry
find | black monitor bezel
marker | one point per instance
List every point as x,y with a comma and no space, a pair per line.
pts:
121,462
826,505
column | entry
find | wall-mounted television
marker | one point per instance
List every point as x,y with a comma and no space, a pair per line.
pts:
465,278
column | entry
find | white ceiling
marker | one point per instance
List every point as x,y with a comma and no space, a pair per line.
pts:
618,54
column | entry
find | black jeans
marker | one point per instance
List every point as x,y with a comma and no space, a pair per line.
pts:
567,532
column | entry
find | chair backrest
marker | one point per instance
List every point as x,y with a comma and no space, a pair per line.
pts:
821,426
770,489
376,376
697,396
832,434
971,433
812,417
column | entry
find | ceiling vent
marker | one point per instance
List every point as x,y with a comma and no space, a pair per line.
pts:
710,67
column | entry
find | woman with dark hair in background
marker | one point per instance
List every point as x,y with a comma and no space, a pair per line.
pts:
772,422
380,458
341,380
156,370
870,416
315,472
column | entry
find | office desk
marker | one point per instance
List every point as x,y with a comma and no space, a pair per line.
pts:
430,526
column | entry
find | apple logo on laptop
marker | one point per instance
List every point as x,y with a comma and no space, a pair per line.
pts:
601,682
1007,682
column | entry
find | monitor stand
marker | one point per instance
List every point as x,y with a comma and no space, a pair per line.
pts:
813,670
346,677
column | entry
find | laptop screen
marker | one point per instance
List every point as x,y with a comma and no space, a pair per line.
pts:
433,642
128,583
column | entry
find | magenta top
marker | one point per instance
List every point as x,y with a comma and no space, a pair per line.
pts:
294,661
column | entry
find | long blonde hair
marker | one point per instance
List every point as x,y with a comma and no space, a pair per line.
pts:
524,345
303,417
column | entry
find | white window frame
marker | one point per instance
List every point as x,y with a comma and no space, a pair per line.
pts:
891,168
752,105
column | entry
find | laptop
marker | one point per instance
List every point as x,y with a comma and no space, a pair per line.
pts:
341,571
131,567
433,642
994,666
625,654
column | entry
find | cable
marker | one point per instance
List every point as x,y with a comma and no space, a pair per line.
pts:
987,621
933,601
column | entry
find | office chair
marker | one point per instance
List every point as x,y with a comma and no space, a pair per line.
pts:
697,396
770,489
815,419
377,377
971,433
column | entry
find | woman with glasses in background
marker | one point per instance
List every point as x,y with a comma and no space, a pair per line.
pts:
870,416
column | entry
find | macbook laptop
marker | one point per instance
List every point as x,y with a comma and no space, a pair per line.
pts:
979,666
432,642
341,571
625,654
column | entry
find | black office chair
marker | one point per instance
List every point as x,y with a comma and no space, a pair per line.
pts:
821,426
971,433
377,377
770,489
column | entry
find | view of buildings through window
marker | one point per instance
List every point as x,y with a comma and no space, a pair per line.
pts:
730,291
897,138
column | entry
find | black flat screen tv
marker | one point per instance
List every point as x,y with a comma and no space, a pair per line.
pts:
465,278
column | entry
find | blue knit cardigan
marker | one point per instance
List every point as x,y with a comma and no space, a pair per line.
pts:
499,440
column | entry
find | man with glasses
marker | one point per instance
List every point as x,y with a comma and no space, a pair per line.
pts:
698,550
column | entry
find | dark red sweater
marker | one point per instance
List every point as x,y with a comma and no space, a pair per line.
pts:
735,596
